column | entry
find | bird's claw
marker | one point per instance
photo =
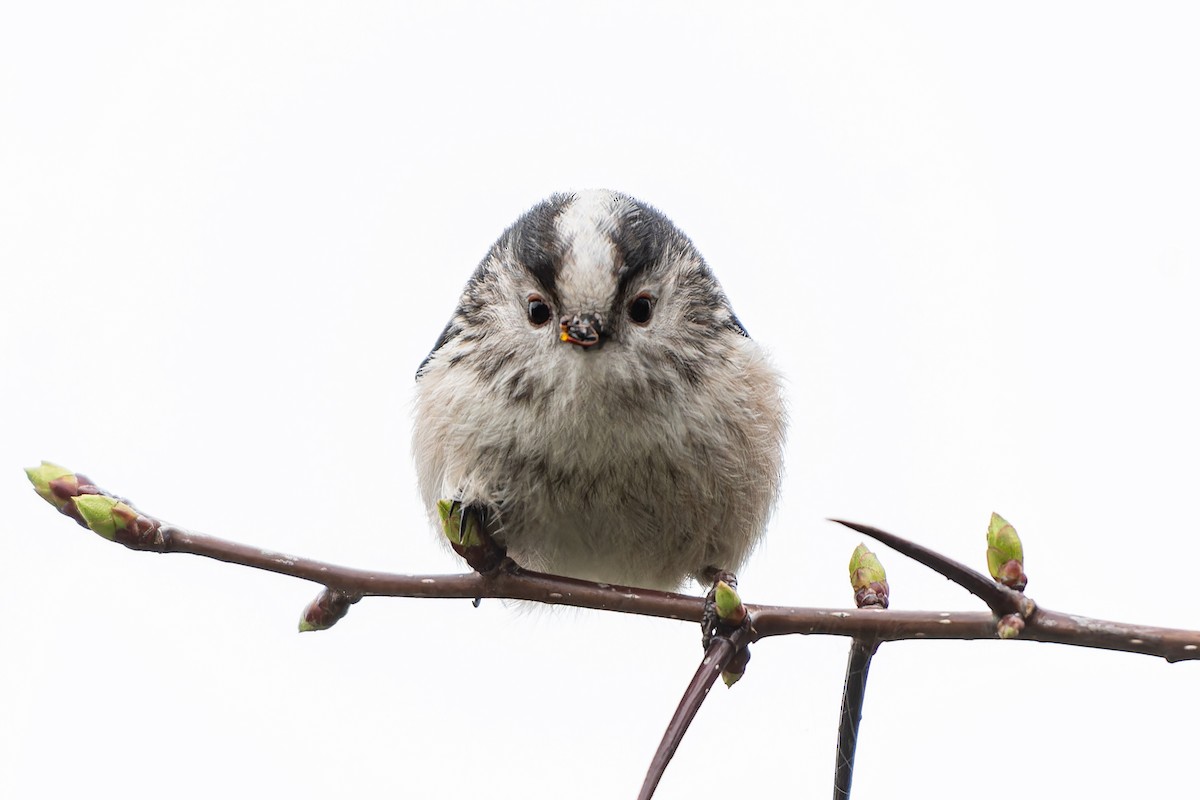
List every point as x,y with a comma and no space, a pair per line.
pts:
477,547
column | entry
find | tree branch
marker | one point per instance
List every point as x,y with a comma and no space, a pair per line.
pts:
858,665
118,521
1012,613
717,657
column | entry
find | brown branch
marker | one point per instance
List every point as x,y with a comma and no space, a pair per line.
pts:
141,532
511,582
1172,644
858,665
717,657
520,584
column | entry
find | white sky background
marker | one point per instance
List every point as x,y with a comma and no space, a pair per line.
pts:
229,232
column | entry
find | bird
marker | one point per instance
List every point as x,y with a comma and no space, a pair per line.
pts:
597,404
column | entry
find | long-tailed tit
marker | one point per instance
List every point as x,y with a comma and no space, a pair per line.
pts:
596,402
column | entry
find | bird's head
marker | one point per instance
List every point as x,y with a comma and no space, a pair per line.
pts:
591,286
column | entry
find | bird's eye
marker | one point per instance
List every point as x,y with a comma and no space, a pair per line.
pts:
539,312
641,308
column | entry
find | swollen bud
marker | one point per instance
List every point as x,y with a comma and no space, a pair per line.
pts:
1005,556
729,604
44,475
106,516
868,579
325,610
736,667
1010,626
117,521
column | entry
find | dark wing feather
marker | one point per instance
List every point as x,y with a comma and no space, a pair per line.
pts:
449,332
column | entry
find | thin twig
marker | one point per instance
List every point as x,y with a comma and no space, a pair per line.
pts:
510,582
720,652
858,665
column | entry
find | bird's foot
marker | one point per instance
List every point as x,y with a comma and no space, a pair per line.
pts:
464,526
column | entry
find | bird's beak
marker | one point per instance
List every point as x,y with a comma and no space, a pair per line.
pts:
585,330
